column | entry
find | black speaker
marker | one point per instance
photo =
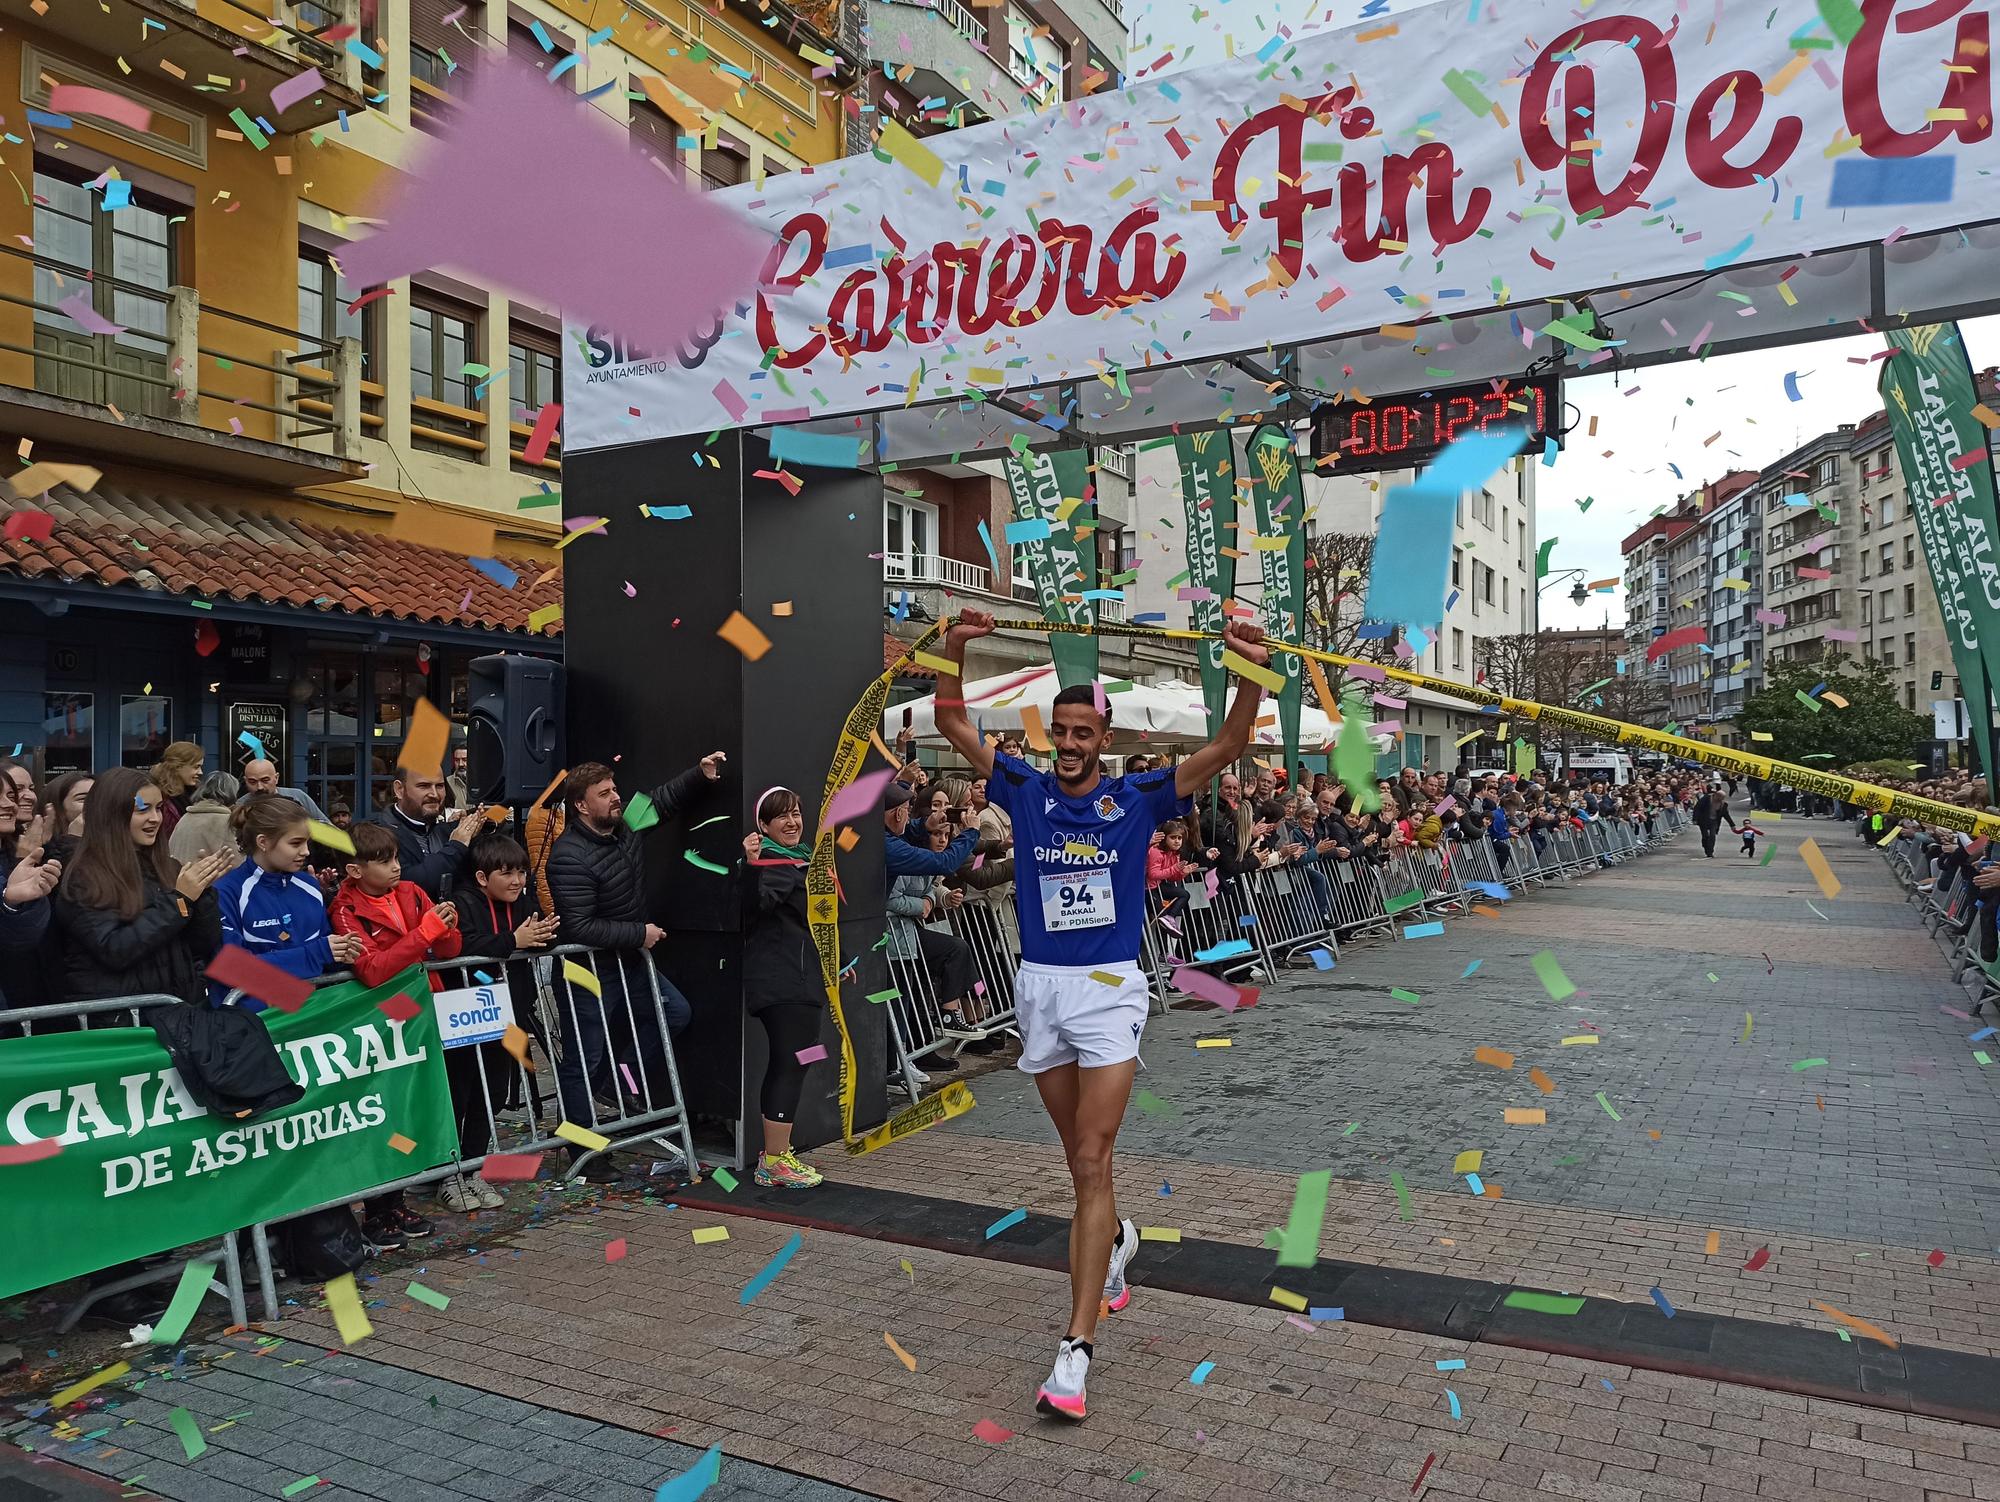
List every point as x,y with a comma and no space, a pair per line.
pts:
514,734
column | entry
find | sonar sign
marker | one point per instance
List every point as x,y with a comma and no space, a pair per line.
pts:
1352,181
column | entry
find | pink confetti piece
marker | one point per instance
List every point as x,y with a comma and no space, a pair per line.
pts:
991,1432
812,1055
88,318
82,99
299,86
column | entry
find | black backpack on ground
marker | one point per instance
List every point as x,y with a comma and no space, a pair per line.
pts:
323,1245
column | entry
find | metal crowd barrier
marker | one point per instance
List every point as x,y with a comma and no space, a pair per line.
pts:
628,1098
918,1024
1181,928
77,1016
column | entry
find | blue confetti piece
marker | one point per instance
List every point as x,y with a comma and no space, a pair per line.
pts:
256,749
1735,252
1475,1184
1453,1399
1171,92
1246,920
1861,182
49,121
497,571
772,1268
1984,1032
117,194
1034,529
1457,1364
848,255
670,513
1165,1189
822,450
1472,967
1422,930
1605,1383
541,36
1661,1299
1200,1374
1010,1219
1792,391
1323,960
695,1480
370,58
1337,1313
1227,949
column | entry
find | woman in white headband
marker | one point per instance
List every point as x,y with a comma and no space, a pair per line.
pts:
781,981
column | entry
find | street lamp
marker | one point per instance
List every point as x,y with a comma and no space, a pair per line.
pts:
1577,595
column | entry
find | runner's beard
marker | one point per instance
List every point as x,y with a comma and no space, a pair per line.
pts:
1086,773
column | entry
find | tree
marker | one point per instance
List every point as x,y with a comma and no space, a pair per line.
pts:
1554,668
1873,725
1336,578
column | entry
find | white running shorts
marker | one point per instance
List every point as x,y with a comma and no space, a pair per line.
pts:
1068,1016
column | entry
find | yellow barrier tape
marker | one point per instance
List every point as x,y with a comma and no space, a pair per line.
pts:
954,1100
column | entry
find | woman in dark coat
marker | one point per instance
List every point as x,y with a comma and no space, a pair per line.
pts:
781,979
134,922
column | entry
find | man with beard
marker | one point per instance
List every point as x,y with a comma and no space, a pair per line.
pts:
1080,846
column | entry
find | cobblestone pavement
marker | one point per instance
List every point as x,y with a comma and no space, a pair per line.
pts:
273,1412
802,1378
1852,1173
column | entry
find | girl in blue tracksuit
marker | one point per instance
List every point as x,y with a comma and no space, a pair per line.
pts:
272,906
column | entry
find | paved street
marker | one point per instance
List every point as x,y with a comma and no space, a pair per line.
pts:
554,1373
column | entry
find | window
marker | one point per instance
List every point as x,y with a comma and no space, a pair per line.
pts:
1458,649
1828,472
525,46
1867,608
1887,609
1486,583
1524,544
444,339
66,738
1506,521
1887,508
145,727
439,54
1910,647
1457,565
1482,507
1507,596
1909,552
909,533
1888,651
724,165
534,379
1037,62
1888,557
1864,565
1909,599
137,245
1910,695
653,135
324,296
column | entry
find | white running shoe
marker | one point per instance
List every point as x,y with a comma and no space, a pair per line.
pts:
457,1193
1117,1292
1062,1395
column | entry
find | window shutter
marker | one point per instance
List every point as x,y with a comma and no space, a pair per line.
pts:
654,135
428,31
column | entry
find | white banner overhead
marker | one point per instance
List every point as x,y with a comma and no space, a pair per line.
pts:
1442,162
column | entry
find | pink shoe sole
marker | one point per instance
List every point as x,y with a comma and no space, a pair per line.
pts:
1058,1406
1114,1305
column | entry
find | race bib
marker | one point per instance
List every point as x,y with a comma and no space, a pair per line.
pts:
1078,899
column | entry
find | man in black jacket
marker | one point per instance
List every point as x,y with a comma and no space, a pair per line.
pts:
432,853
597,876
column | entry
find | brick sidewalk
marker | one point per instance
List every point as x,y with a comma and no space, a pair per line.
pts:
1851,1174
802,1379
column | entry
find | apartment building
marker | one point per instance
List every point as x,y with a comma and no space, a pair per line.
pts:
1490,590
937,66
1811,524
1900,625
1735,591
293,478
1648,551
944,63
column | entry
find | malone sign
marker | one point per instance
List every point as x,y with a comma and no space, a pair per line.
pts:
1355,179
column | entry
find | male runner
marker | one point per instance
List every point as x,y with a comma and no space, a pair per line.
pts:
1080,842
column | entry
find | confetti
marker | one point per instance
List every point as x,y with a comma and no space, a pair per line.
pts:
909,1361
343,1301
771,1269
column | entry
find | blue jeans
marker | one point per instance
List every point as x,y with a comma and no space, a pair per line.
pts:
613,1049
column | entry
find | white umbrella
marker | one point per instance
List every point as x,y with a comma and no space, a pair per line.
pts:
1315,729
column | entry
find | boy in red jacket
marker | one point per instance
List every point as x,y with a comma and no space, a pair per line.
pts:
398,928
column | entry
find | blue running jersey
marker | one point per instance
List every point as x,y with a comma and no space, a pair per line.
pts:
1080,863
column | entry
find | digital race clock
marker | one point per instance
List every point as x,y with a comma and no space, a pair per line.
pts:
1397,432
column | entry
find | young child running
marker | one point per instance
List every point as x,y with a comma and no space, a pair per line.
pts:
1081,842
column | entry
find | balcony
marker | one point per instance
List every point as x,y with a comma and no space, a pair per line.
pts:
946,44
924,578
158,376
177,45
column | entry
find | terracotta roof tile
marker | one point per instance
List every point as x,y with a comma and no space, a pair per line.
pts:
165,544
892,649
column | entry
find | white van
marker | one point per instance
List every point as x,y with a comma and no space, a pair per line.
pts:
1601,764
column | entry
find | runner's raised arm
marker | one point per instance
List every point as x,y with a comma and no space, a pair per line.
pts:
952,723
1222,753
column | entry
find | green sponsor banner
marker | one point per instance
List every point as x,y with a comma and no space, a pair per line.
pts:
1207,470
1048,485
142,1167
1928,390
1281,504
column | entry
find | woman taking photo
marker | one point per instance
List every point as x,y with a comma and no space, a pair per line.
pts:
781,981
132,921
